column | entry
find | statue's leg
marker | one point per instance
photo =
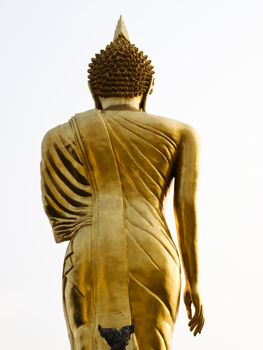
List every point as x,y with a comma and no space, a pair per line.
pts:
70,334
154,286
152,315
76,290
76,306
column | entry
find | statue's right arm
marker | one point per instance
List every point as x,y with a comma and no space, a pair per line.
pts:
186,169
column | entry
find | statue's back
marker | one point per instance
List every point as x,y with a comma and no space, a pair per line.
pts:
133,155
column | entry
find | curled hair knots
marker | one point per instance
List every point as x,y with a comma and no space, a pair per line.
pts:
120,70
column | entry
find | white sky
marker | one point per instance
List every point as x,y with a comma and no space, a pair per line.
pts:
208,57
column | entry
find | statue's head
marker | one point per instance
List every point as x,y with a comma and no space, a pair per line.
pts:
120,70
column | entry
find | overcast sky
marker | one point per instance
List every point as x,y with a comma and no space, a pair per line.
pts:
208,57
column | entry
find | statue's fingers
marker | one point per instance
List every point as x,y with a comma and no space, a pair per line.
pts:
196,316
202,328
199,322
195,331
193,326
202,325
196,321
199,325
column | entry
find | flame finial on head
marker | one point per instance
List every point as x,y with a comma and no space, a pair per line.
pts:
121,29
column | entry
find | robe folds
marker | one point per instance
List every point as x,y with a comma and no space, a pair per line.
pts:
105,175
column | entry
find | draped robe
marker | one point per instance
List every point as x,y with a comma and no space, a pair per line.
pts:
105,175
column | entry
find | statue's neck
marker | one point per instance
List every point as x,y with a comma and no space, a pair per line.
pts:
132,103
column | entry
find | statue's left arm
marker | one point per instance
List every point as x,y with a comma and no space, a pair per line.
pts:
66,192
186,169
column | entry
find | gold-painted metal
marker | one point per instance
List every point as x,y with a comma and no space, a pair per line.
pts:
105,175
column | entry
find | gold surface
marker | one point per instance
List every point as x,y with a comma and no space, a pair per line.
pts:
105,175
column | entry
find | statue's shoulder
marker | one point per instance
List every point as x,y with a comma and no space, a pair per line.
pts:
59,132
84,116
64,132
172,127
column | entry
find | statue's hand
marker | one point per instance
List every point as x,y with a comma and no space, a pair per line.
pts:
191,296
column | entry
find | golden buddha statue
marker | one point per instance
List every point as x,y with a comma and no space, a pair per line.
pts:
105,175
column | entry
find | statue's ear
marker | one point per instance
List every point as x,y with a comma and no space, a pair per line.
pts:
95,98
145,95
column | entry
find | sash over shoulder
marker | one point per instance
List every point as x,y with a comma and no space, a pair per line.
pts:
109,248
